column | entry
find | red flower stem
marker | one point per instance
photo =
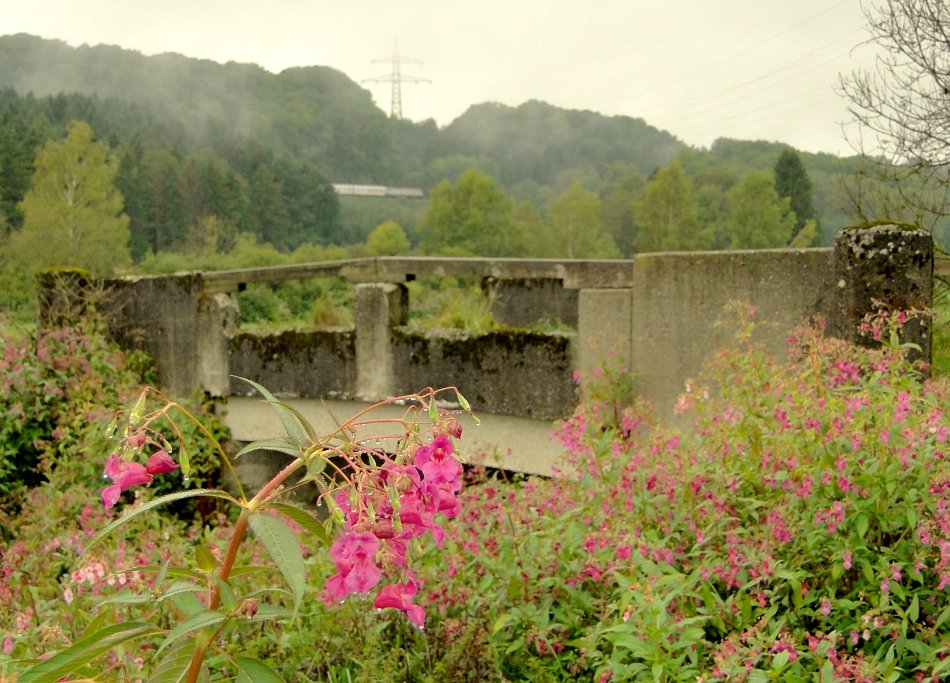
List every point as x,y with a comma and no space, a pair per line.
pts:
240,529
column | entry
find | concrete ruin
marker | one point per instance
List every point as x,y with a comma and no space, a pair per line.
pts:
657,312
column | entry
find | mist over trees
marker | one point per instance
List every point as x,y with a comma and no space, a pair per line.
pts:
225,159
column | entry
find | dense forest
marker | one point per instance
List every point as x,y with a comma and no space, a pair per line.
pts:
211,159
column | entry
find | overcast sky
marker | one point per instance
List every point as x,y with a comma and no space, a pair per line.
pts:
700,69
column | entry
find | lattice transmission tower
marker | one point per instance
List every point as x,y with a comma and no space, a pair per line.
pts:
396,77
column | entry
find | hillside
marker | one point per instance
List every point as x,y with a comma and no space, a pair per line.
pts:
318,114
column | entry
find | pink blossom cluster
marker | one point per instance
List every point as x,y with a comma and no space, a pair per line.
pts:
389,507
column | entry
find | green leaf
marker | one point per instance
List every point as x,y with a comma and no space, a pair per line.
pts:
126,597
85,650
462,402
255,671
501,622
297,428
284,548
277,445
307,521
195,622
135,512
174,665
913,612
861,524
179,587
204,559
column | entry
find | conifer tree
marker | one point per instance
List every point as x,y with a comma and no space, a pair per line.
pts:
792,181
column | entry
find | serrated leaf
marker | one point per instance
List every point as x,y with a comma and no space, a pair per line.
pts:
278,445
201,620
283,547
152,504
307,521
174,665
255,671
297,428
85,650
126,597
177,588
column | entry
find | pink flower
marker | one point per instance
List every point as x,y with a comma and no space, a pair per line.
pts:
437,464
355,558
160,462
125,474
846,560
825,606
399,596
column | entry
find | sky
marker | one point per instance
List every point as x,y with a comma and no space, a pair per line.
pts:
699,69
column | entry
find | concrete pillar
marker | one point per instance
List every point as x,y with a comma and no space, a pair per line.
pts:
379,308
889,263
604,327
217,315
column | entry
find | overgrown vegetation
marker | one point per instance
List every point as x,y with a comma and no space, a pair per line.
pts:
796,529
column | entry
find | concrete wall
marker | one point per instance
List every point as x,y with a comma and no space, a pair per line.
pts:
679,308
658,313
294,363
524,374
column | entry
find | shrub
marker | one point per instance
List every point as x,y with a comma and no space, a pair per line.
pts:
800,528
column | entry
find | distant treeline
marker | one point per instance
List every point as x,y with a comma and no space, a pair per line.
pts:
207,150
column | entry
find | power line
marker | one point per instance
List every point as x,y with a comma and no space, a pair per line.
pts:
396,77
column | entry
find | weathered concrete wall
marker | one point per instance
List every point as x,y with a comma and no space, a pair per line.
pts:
526,374
887,263
678,299
295,363
523,302
658,313
160,315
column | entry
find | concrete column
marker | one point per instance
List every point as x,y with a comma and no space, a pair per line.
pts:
217,315
889,263
379,308
604,327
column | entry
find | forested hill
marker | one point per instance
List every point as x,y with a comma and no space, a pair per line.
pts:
315,113
538,141
319,115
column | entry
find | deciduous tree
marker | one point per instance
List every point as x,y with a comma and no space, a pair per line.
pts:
388,239
667,216
471,217
574,228
901,108
758,217
73,212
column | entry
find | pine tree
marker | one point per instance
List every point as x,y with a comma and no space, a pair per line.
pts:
792,181
73,212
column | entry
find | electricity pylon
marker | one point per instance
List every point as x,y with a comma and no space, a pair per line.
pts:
396,77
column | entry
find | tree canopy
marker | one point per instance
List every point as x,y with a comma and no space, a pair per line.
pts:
73,212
